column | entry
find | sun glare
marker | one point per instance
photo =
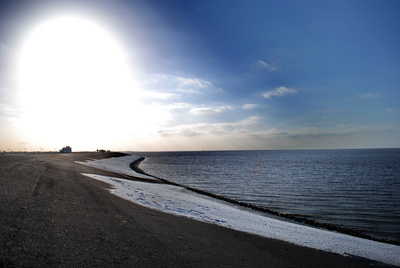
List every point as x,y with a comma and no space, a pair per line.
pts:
73,79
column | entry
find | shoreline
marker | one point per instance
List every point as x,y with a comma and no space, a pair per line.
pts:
291,217
67,219
181,202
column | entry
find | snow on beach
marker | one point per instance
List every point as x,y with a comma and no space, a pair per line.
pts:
182,202
116,164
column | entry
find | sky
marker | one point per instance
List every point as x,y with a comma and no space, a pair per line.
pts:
199,75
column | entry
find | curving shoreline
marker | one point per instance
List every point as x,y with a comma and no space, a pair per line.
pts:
181,202
66,219
292,217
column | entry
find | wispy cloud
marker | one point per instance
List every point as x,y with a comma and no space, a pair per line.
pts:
193,82
211,129
209,110
369,95
249,106
205,111
252,120
268,66
279,92
155,83
198,110
193,85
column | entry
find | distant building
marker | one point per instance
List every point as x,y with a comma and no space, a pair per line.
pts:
66,149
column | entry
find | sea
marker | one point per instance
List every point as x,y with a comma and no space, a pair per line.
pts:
353,189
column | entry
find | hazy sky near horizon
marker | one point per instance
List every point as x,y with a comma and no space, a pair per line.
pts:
199,75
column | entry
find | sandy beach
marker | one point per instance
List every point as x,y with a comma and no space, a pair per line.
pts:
52,215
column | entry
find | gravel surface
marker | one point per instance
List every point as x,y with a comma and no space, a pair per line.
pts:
51,215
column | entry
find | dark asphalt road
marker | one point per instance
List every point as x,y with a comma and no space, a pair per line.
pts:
52,216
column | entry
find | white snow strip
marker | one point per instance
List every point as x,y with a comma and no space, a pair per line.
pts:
182,202
116,164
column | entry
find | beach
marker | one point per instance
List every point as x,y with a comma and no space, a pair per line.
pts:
52,215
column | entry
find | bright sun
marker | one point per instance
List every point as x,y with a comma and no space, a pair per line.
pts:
72,76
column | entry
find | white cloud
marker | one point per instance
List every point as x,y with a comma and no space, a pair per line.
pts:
226,107
205,111
249,106
369,96
193,85
186,132
188,90
268,66
249,134
211,129
193,82
279,92
209,110
165,84
252,120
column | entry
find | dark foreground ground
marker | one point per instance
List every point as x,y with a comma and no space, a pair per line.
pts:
51,215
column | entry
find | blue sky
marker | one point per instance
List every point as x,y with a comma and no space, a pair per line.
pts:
212,75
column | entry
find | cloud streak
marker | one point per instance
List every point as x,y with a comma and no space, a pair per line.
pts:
210,129
249,106
163,85
193,85
209,110
369,96
205,111
193,82
271,67
279,92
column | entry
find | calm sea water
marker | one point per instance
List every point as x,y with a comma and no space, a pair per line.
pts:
358,189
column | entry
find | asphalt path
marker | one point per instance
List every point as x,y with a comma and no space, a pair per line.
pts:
52,216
